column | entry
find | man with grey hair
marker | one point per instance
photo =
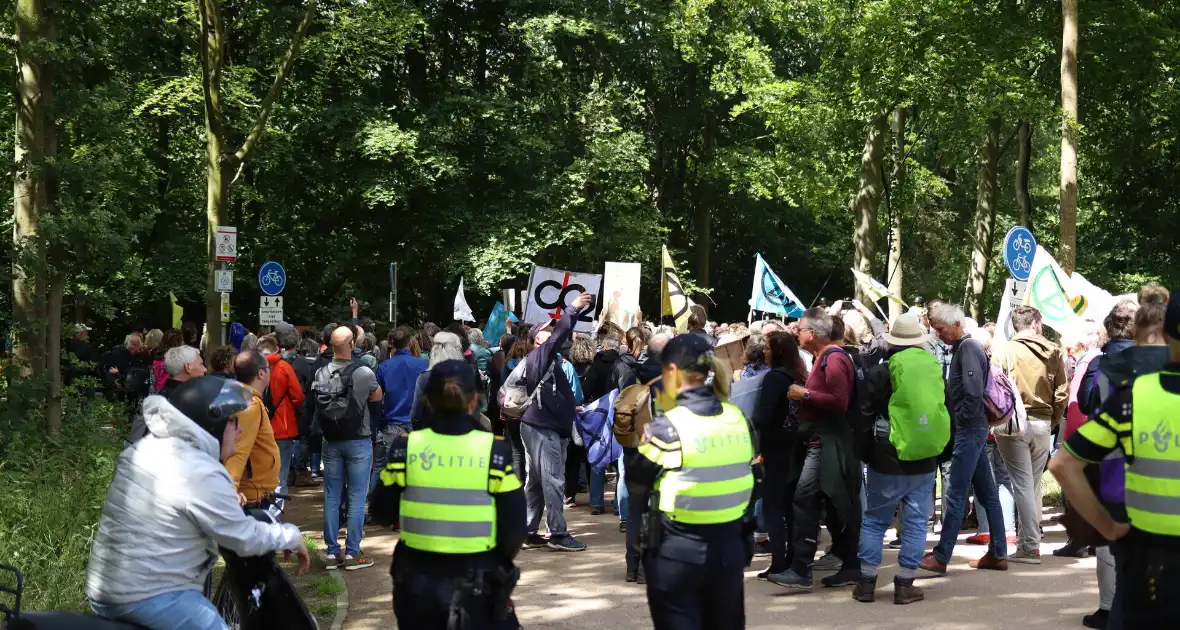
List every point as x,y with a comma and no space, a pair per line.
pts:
182,363
828,471
970,465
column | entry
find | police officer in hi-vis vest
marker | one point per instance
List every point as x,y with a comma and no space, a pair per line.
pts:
1143,420
462,514
694,464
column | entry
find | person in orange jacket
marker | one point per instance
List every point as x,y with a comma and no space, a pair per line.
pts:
254,466
286,396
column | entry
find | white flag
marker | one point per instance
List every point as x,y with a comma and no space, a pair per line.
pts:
462,311
1051,291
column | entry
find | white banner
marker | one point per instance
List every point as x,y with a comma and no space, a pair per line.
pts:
551,290
620,290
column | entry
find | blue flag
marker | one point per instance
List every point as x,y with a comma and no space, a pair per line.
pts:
771,295
498,323
596,426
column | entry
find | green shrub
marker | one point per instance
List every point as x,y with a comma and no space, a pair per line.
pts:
52,489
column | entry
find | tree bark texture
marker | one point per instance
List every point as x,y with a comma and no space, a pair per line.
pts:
1067,256
868,199
1023,199
53,410
34,92
897,206
221,166
987,199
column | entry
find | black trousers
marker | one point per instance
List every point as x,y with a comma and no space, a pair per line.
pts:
423,602
575,460
811,506
691,586
1147,591
778,493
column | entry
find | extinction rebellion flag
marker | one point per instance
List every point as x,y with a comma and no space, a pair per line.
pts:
771,295
675,302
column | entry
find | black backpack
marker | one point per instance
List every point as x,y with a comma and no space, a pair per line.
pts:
340,415
304,373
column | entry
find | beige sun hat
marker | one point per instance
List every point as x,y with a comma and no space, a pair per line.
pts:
907,331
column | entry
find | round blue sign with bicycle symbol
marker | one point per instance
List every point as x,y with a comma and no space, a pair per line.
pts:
272,278
1019,249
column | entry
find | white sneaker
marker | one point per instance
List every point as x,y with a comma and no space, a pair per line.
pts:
331,563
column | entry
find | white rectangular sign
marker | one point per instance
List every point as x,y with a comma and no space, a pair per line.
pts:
620,290
551,290
225,281
270,310
226,244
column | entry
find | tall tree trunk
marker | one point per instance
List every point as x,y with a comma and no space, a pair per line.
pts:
34,31
897,206
1067,256
868,199
53,410
1023,199
987,199
221,166
704,204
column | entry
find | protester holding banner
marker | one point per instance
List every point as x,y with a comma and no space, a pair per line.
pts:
547,423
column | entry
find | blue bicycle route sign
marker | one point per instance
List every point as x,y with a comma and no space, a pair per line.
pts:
1019,248
272,278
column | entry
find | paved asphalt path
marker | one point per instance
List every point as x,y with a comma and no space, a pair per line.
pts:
586,590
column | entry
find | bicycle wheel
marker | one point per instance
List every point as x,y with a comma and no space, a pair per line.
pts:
226,606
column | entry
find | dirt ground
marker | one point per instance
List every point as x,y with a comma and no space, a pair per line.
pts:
586,590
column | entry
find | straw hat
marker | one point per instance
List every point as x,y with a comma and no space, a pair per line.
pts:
907,331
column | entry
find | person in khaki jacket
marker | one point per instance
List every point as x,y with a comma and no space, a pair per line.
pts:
1037,366
254,467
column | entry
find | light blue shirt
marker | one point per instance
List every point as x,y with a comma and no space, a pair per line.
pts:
567,368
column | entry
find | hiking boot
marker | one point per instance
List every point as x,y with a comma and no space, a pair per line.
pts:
1025,557
1071,550
932,564
830,562
360,561
331,562
534,541
904,591
1097,620
988,561
866,590
843,577
566,543
790,579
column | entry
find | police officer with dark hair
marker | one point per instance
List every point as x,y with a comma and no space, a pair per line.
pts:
462,514
694,463
1142,420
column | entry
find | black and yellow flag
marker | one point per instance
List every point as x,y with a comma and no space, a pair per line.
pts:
675,302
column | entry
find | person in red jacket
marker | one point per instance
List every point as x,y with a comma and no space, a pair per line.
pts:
285,396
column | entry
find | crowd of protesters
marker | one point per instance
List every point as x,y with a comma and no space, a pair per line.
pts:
818,392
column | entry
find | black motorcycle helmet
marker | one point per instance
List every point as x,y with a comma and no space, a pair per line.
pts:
210,401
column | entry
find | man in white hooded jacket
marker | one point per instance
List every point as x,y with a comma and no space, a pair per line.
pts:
170,506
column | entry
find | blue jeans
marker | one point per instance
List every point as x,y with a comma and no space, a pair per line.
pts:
544,491
970,466
178,610
598,488
286,454
385,438
882,493
349,460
